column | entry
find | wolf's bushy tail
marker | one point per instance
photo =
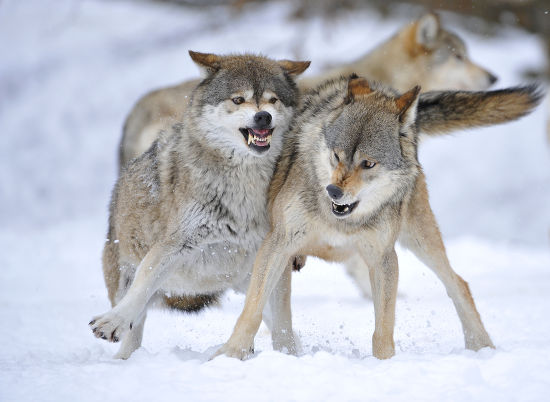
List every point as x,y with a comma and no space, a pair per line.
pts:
192,304
441,112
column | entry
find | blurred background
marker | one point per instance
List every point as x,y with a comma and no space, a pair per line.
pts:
70,72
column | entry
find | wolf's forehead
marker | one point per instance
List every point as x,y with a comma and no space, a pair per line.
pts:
359,124
259,81
370,132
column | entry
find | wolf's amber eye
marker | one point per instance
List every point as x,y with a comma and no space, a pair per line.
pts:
238,100
367,164
273,100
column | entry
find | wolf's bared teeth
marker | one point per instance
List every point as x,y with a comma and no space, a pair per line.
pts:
250,138
261,140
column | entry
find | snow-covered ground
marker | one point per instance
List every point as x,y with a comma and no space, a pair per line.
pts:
69,73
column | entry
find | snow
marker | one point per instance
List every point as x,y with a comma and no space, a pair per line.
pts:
67,80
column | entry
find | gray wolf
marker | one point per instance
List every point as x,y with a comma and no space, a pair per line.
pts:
423,53
349,183
187,216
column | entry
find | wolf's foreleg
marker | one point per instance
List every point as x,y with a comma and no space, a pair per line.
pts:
271,261
112,326
421,235
384,273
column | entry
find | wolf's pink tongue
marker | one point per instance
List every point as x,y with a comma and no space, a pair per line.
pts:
261,132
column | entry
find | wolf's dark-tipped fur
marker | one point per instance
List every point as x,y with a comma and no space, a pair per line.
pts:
192,304
442,111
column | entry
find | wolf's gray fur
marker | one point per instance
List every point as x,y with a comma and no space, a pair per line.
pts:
187,217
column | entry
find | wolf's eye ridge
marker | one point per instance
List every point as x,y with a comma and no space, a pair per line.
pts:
365,164
273,100
238,100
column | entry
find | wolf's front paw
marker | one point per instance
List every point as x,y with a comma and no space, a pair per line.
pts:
478,342
110,326
235,352
383,347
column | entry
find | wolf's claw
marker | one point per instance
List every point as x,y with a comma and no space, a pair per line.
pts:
110,323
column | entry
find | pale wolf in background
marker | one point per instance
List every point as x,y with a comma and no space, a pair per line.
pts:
423,53
349,182
187,216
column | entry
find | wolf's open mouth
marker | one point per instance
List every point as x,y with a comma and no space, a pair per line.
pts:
343,210
257,139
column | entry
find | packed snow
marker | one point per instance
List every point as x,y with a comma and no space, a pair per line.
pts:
70,72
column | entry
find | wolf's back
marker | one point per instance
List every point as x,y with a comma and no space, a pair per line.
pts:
441,112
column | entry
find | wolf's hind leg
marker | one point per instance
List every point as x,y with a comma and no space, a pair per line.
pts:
356,268
132,340
421,235
279,310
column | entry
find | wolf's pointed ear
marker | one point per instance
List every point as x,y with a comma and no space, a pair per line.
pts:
357,86
406,106
427,28
294,68
207,62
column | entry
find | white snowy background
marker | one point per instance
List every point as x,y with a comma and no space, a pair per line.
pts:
70,72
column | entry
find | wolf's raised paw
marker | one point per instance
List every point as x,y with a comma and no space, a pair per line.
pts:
110,326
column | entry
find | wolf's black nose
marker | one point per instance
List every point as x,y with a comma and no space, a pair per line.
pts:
262,119
335,192
492,78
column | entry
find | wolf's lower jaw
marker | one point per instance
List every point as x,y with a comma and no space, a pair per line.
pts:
343,210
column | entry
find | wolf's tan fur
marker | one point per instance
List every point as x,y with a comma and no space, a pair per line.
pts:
423,53
341,127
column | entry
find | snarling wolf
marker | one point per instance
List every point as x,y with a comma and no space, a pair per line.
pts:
187,216
349,183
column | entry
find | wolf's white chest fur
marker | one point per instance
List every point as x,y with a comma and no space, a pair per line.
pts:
227,262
